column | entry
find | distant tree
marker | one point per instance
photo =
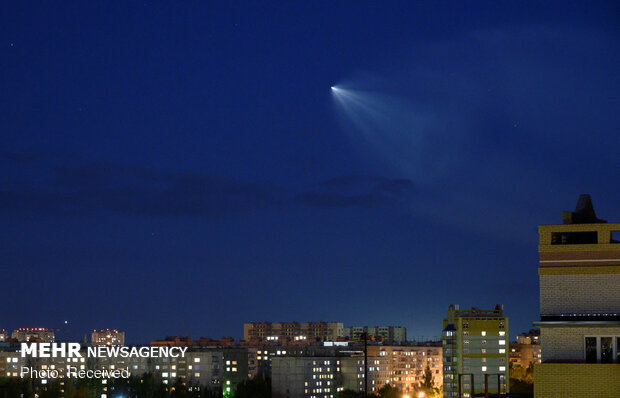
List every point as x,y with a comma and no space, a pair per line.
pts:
427,383
427,386
13,387
51,390
178,389
522,380
210,393
387,391
524,389
354,394
258,387
523,374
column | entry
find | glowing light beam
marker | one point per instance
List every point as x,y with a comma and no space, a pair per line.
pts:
399,130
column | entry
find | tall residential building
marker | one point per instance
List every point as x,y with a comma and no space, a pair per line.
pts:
39,335
526,350
3,335
387,334
475,355
107,337
291,332
579,273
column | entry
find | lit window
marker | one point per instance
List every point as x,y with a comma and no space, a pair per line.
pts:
502,342
484,333
484,368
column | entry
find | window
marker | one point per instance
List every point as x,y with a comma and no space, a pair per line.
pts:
602,349
591,356
574,238
607,350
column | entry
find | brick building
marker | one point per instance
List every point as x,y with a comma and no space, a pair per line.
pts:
579,323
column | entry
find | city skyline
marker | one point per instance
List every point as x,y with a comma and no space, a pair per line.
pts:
183,169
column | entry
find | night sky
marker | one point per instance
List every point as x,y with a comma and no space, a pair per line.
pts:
173,168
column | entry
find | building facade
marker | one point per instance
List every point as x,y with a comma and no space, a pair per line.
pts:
313,376
40,335
475,354
322,371
404,367
387,334
525,352
579,274
107,337
217,369
289,333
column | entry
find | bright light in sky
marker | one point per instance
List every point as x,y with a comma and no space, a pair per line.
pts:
397,129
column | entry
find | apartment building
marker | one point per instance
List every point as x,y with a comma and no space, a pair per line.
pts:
317,376
220,369
526,350
386,334
404,367
291,333
475,355
40,335
579,274
108,337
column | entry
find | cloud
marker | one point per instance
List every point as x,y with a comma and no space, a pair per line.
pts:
357,191
64,187
72,189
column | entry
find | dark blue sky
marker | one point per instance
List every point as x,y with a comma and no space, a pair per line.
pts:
183,167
